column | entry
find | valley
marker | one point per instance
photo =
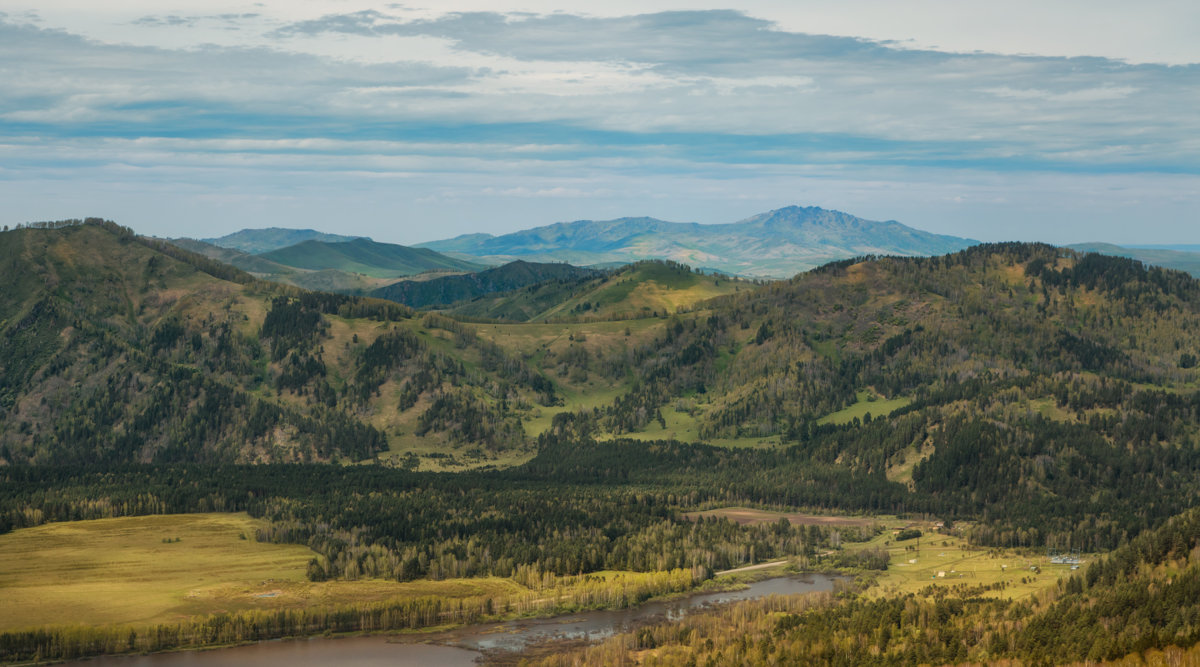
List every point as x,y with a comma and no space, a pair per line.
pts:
610,436
655,334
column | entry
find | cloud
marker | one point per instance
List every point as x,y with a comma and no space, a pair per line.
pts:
1084,95
727,73
683,41
716,85
71,86
230,20
644,111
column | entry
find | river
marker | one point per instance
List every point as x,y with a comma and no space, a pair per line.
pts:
463,646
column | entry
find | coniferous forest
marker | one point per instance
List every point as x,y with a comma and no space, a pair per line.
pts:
1034,397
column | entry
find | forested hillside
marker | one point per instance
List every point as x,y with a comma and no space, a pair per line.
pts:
1032,396
1003,381
1142,602
379,260
636,291
123,349
445,290
325,280
256,241
1029,382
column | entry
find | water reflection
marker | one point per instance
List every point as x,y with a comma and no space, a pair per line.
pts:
597,625
461,647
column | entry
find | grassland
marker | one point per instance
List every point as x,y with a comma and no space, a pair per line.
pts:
684,427
942,559
901,470
161,569
164,569
868,402
643,289
946,560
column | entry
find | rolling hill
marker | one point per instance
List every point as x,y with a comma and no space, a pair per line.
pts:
234,257
778,243
124,349
444,290
370,258
325,280
256,241
924,376
1023,397
529,292
649,288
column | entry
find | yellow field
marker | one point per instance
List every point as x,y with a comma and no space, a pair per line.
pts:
118,571
946,560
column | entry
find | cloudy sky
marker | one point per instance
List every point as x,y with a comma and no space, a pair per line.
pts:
1048,120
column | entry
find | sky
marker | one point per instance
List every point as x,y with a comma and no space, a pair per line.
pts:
1049,120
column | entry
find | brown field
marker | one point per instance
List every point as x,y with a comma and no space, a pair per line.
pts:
747,516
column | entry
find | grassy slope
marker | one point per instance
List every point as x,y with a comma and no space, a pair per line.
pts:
127,288
332,280
539,341
378,260
523,304
196,297
119,273
868,403
640,290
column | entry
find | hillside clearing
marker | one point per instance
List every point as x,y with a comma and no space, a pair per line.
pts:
868,403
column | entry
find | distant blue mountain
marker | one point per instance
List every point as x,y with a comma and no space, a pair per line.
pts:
258,241
1180,260
777,243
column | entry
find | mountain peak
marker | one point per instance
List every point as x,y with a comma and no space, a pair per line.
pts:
778,243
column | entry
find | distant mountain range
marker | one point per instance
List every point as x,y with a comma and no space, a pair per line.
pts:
777,243
1177,258
355,265
370,258
239,258
257,241
1185,247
